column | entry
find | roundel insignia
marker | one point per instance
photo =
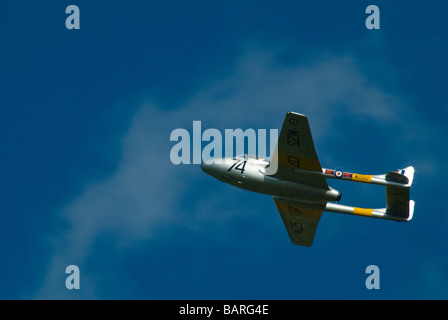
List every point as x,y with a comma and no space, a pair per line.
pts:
338,174
293,121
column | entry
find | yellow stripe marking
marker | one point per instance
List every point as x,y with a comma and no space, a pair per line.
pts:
363,212
362,177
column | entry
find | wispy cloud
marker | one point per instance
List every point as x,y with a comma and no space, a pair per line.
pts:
146,192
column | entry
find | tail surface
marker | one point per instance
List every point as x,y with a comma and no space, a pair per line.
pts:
399,207
397,197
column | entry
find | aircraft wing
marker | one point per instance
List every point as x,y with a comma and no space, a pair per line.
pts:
300,223
295,155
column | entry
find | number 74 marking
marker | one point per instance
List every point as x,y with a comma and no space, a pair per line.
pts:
239,165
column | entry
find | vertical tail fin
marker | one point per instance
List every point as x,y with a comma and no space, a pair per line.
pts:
408,172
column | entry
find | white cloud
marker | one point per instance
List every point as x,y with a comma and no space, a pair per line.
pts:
146,191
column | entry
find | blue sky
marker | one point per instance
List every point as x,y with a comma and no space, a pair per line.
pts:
86,117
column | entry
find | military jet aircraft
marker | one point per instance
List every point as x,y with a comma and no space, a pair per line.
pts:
298,183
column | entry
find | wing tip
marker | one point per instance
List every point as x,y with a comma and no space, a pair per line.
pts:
296,114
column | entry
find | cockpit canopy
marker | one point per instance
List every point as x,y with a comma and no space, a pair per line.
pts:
249,156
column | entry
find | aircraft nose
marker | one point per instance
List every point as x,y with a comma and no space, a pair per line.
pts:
207,167
204,167
211,168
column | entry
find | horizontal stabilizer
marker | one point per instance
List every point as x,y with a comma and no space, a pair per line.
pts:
396,177
398,203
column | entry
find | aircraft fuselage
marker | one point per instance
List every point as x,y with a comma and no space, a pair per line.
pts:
248,173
